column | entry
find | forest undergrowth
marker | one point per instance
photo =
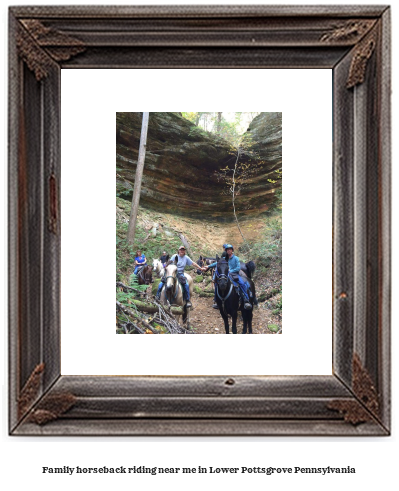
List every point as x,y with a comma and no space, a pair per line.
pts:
137,310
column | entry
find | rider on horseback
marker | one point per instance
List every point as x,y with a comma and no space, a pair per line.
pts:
164,258
139,261
238,282
182,262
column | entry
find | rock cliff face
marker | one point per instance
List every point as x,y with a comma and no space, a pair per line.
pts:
182,162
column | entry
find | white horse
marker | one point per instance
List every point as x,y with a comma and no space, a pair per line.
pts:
158,268
172,291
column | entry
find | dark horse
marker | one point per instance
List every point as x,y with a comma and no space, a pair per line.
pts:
248,268
228,299
144,275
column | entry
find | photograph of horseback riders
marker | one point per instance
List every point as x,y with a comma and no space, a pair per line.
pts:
199,223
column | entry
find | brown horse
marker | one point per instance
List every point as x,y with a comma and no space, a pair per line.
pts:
144,275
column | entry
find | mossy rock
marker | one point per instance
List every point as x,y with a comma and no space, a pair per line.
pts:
198,279
208,279
154,287
206,294
197,289
273,327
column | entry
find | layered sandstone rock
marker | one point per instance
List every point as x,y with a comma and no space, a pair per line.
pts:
182,164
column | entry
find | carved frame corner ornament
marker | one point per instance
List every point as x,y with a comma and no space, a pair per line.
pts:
363,52
349,31
353,42
38,46
366,406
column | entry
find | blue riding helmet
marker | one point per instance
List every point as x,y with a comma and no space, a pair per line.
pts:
229,246
224,246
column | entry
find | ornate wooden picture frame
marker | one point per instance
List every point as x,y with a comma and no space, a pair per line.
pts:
352,41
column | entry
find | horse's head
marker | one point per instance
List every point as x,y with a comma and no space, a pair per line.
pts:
200,263
155,265
170,273
222,274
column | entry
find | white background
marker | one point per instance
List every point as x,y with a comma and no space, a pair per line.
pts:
89,344
375,459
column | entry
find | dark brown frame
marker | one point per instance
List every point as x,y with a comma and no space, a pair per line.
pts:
353,41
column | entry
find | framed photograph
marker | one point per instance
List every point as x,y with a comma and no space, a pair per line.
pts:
212,180
353,45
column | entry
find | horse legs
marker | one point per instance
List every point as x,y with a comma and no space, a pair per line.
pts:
226,322
186,317
247,321
234,324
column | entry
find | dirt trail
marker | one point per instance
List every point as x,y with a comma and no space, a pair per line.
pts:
207,237
206,320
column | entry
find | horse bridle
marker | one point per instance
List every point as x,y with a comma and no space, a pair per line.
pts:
220,275
174,278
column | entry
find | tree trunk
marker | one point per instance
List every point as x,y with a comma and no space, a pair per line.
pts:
219,123
137,180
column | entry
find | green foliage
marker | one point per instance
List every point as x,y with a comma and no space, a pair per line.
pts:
216,123
278,203
154,287
124,191
194,117
270,247
152,248
134,283
125,298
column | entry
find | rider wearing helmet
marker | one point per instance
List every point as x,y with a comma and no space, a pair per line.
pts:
234,269
182,262
224,254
